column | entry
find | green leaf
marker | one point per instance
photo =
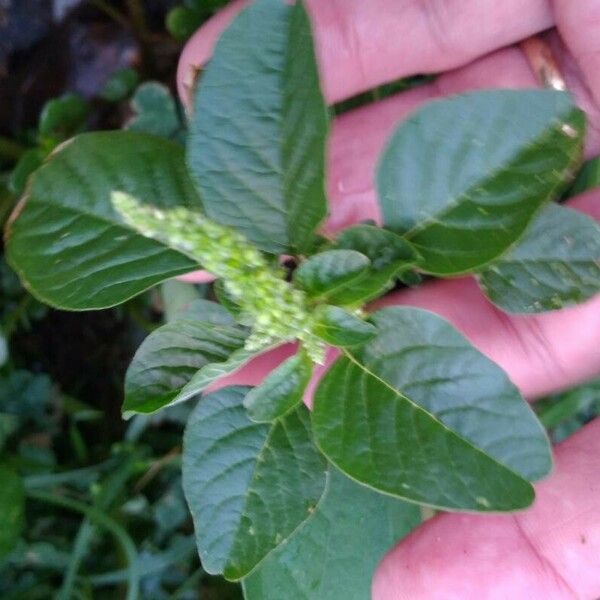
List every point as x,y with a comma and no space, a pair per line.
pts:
206,6
155,111
28,163
305,127
588,178
12,509
419,413
338,327
462,177
257,144
65,240
335,553
382,439
63,117
249,485
120,85
281,391
556,263
423,355
169,358
181,22
389,254
325,273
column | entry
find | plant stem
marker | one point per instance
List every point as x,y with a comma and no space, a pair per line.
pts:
93,514
111,12
155,468
16,315
85,535
32,482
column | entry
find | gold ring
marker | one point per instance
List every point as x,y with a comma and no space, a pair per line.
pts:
542,62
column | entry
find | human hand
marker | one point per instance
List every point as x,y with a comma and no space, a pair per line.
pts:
551,551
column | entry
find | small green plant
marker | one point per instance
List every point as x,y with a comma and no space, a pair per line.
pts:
60,119
409,412
184,19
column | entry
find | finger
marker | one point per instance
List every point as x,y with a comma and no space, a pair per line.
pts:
579,23
363,44
577,47
551,551
197,277
254,371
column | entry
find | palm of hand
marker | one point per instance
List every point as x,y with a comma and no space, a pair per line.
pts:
553,550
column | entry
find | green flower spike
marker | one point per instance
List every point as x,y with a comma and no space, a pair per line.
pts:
276,311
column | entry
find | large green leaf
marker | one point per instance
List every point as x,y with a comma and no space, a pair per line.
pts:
462,177
334,554
555,264
12,509
422,354
169,358
304,130
257,144
419,413
67,243
384,440
249,485
389,255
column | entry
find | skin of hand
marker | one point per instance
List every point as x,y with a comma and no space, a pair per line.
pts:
552,550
